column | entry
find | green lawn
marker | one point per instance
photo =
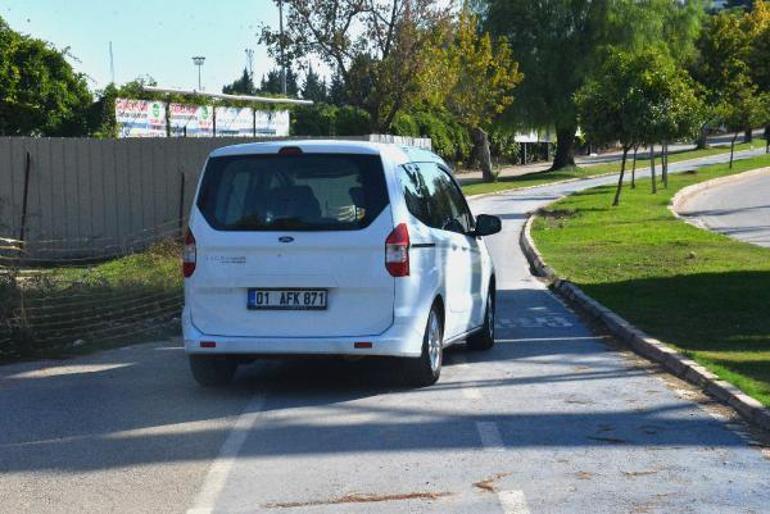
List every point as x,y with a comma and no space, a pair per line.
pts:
704,293
546,177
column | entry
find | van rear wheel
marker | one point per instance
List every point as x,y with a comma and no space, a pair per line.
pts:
484,339
212,371
426,369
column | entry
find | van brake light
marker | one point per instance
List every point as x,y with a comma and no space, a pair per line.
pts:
397,251
189,254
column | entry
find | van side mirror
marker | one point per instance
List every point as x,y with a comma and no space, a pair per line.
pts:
487,225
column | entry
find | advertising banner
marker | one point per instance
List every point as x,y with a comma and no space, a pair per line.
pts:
140,118
272,123
191,120
234,122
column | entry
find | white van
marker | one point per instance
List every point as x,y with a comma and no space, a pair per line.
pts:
333,248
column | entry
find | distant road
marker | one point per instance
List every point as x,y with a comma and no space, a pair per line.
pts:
738,209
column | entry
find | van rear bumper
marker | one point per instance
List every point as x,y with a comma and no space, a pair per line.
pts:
402,339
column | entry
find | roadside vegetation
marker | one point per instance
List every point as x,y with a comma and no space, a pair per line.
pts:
592,170
703,293
60,311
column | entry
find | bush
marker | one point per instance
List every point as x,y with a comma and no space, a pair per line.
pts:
327,120
352,121
503,145
313,120
449,139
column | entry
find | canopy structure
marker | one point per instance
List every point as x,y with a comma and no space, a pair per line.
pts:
222,96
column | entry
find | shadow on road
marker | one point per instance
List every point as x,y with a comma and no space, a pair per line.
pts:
149,410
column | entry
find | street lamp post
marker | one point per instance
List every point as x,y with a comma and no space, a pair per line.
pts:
283,58
198,61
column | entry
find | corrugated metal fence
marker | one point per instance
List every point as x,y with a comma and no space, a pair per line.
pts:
93,198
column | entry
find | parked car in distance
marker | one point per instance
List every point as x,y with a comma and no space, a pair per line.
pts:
333,248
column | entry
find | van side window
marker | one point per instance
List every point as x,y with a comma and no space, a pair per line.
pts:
417,194
433,198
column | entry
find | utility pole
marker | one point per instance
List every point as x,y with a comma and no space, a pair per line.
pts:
250,62
283,57
198,61
112,64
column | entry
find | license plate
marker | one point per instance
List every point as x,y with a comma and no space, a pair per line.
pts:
287,299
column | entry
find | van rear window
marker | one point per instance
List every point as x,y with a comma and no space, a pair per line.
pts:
298,192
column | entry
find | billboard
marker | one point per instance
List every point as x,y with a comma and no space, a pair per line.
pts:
140,118
191,120
234,122
271,123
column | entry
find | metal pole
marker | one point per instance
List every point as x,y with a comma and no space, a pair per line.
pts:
24,201
181,205
283,57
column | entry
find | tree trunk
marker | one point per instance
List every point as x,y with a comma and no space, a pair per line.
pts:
664,164
701,142
732,149
748,135
633,168
565,148
616,201
652,168
767,139
485,156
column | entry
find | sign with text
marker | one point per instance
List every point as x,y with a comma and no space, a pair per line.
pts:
271,123
140,118
234,122
191,120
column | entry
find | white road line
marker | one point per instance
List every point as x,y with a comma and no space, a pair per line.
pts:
220,468
513,502
471,393
490,436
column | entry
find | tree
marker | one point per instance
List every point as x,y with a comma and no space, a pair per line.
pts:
722,59
474,79
558,44
637,97
612,105
271,83
40,94
314,88
337,92
758,61
241,86
743,106
383,41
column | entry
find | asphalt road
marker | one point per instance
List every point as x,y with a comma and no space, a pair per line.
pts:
555,418
738,209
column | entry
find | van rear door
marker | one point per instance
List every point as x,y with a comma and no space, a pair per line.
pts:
291,246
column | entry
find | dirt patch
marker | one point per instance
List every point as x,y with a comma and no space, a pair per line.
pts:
489,484
359,498
556,214
641,473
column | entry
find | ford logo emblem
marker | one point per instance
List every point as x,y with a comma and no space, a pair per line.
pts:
286,239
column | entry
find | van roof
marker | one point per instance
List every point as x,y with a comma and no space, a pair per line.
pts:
400,153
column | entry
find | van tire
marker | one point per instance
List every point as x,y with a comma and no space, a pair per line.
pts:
484,339
212,371
425,370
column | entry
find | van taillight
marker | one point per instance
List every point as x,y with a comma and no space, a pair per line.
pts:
397,251
189,254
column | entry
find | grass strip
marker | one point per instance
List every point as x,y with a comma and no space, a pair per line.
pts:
546,177
701,292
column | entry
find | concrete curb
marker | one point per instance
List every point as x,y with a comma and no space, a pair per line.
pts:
644,345
685,194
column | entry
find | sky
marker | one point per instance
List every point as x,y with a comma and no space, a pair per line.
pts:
151,37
